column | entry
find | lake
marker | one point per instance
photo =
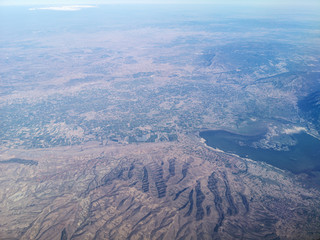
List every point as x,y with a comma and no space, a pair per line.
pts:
303,157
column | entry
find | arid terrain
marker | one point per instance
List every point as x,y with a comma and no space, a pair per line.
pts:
152,191
101,110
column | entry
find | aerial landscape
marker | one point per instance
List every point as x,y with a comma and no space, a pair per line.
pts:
160,121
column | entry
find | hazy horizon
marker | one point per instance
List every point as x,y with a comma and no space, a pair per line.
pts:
102,2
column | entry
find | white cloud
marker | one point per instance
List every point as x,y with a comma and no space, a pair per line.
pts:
63,8
294,130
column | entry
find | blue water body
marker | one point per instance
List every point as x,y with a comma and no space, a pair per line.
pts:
303,157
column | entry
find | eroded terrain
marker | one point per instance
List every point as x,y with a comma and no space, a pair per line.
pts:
152,191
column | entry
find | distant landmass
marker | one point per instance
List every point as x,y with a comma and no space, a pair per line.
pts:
19,161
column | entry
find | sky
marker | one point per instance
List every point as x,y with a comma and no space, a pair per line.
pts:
76,2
